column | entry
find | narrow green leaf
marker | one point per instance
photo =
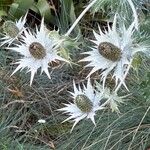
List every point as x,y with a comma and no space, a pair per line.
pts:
44,9
12,10
3,13
4,4
19,8
67,16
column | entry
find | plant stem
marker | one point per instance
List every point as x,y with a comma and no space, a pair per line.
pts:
80,17
134,13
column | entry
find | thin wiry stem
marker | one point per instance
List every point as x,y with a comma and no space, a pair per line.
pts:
138,127
134,13
80,17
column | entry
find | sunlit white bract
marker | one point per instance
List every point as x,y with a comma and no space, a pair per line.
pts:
110,97
31,63
121,38
7,39
77,114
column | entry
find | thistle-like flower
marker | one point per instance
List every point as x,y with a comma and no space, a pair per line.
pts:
86,103
38,51
13,30
114,51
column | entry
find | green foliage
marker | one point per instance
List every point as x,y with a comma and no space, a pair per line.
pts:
4,4
67,15
121,7
20,7
44,9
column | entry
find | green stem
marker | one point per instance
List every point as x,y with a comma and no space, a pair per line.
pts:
134,13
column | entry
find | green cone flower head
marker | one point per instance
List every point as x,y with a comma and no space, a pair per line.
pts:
13,30
83,103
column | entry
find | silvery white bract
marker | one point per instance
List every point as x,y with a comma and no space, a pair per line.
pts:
86,103
12,30
114,51
111,97
38,51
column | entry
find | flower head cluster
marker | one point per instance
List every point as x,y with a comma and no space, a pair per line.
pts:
114,51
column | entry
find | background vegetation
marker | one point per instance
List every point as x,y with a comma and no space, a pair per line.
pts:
21,106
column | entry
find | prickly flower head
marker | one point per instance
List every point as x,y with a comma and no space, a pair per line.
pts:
38,51
13,30
113,52
86,103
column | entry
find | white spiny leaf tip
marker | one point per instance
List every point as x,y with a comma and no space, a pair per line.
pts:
112,99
